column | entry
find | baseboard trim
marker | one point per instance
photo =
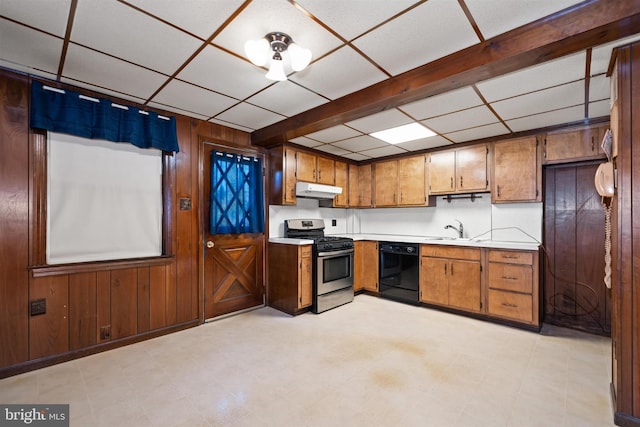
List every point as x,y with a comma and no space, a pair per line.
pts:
625,420
32,365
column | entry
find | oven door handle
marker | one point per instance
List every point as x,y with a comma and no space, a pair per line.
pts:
335,253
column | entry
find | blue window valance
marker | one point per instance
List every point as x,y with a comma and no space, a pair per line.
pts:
69,112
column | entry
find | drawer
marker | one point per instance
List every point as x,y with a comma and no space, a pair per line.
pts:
510,305
304,251
511,257
509,277
451,252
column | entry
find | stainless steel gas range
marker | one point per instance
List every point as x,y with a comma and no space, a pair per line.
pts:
332,263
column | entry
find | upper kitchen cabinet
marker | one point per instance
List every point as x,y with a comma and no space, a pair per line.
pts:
401,182
360,186
312,168
574,145
342,181
289,165
463,170
517,171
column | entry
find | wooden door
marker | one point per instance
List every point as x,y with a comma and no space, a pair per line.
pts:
342,181
365,268
434,287
471,169
464,284
573,145
305,167
386,181
354,186
574,292
289,180
412,181
442,169
516,171
233,263
305,277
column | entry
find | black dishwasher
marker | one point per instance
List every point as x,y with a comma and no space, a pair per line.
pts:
399,271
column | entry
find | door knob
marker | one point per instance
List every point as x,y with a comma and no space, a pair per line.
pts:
210,244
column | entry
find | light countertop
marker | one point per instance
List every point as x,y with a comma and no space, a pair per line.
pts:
432,240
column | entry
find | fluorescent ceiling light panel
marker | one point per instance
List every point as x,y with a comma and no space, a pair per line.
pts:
403,133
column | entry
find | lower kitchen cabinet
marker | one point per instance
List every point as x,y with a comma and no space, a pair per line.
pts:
451,276
365,269
512,286
290,277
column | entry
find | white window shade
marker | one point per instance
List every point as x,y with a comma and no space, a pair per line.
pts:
104,200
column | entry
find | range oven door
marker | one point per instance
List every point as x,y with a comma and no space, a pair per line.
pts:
333,281
334,271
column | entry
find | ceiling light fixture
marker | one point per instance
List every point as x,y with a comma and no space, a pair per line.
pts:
259,51
404,133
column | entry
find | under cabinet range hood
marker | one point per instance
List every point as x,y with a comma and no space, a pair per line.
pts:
316,191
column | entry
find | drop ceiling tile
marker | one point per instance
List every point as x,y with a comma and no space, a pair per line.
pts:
498,16
122,31
341,73
599,109
339,15
177,110
538,102
333,134
360,143
250,116
286,98
50,16
194,99
425,143
231,125
445,103
389,150
534,78
380,121
479,132
105,71
601,55
418,36
199,17
28,49
328,148
261,17
599,88
464,119
356,157
103,90
306,142
550,118
224,73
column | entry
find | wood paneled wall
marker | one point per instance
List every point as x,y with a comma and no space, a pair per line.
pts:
626,242
94,306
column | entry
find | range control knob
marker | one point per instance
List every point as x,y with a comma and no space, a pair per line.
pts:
410,249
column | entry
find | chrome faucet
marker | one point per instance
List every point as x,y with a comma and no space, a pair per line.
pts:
460,229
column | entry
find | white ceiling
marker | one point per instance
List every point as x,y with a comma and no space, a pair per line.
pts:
187,57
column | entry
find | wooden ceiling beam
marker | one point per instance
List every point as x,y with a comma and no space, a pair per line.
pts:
585,25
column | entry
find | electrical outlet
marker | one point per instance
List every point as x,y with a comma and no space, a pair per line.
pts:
105,332
334,222
38,306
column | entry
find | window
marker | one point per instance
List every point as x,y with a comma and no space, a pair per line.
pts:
104,200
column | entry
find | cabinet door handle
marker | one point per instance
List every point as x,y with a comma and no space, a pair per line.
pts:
461,183
510,256
451,182
319,174
498,188
452,269
506,304
592,144
445,269
509,278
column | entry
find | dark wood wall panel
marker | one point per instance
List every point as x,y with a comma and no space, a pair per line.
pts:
143,300
103,304
574,291
124,297
14,187
157,297
83,314
49,332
